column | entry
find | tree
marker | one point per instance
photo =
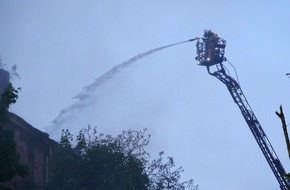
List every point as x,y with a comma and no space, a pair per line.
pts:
164,177
103,162
8,97
9,160
95,164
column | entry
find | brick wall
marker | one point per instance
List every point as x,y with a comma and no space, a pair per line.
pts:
34,148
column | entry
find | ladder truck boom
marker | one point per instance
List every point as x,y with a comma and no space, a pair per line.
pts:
210,53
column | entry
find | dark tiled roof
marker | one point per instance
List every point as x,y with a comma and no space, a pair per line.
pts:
26,127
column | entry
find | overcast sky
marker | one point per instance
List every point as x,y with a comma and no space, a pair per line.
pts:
60,47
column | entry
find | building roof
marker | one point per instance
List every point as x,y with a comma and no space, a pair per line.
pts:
21,124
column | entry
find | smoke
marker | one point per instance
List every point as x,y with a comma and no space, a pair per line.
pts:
86,97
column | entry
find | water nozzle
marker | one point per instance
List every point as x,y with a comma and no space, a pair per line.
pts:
191,40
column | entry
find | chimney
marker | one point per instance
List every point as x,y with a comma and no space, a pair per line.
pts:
4,80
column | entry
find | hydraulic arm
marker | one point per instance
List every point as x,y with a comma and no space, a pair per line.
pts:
210,53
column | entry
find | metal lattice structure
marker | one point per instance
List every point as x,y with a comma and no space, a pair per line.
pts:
210,53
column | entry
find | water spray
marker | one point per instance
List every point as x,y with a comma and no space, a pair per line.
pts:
109,74
87,94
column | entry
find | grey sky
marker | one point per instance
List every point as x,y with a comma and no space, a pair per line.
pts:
62,46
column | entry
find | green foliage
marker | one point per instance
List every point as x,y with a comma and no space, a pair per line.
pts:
9,159
95,164
103,162
164,176
8,97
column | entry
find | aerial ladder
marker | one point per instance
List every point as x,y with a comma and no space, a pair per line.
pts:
210,53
